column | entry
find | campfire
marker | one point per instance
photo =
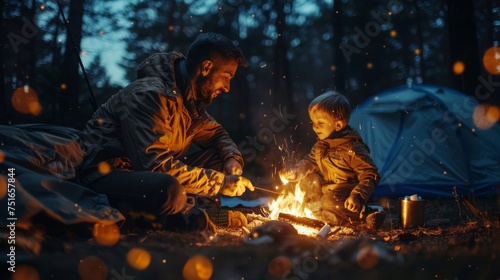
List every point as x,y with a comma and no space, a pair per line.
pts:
290,207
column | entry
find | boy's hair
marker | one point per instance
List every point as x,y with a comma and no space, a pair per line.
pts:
214,47
333,104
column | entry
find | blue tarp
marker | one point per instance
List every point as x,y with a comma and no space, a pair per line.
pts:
424,141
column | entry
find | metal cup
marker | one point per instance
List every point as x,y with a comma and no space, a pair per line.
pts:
411,213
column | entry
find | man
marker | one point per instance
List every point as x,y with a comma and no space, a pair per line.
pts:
136,142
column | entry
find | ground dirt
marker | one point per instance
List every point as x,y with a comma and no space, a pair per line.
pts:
459,240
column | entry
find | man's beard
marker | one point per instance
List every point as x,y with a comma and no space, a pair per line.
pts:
204,90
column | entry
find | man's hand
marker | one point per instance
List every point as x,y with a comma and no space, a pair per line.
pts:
232,167
235,185
352,203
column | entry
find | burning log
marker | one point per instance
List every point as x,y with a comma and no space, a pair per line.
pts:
304,221
317,228
308,222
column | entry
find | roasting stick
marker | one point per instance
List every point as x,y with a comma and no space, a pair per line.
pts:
266,190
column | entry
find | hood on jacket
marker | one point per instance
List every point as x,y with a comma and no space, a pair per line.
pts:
346,135
160,65
165,67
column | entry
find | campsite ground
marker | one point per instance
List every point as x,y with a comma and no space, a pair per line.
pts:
458,241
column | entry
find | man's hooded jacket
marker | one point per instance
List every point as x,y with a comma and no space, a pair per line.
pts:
151,123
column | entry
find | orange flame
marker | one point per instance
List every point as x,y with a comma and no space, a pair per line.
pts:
292,203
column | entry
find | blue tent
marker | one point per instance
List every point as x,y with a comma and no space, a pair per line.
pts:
424,141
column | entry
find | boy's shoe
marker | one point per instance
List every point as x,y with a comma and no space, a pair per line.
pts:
227,218
375,220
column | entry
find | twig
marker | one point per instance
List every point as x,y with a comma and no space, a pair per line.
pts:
389,210
266,190
457,200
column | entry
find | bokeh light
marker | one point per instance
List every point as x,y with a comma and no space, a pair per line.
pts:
2,156
25,101
493,114
92,268
3,186
279,266
369,65
485,116
491,60
367,257
25,272
393,33
104,167
198,267
458,67
35,108
138,258
106,235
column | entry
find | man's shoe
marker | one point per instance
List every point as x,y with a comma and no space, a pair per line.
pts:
227,218
375,220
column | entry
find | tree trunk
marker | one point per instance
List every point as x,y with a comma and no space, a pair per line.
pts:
420,68
241,95
56,55
494,31
32,47
339,80
70,89
3,95
493,39
463,43
233,109
282,86
171,23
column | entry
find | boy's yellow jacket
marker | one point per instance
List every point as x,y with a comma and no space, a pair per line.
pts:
343,161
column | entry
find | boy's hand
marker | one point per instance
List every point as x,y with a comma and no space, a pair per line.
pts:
235,185
352,203
288,176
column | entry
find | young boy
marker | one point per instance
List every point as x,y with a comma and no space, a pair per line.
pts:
338,171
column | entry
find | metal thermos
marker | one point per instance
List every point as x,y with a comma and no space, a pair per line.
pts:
411,212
